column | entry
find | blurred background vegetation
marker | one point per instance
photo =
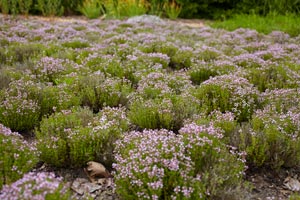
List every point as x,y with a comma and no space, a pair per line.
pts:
204,9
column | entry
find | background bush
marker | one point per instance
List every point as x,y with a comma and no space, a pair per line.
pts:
212,9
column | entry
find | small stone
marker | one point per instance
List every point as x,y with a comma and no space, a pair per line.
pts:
292,184
77,185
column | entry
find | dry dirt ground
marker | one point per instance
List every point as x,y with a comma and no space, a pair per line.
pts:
266,184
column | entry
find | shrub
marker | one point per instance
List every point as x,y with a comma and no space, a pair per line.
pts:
76,44
92,8
56,98
5,78
271,77
158,164
154,85
97,91
281,100
25,6
131,8
222,166
18,110
172,9
16,155
224,121
50,7
273,140
207,53
49,69
200,72
36,186
228,93
52,135
21,53
97,141
152,164
71,138
9,6
152,113
183,58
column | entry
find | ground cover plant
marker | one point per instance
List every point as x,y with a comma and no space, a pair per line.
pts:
174,112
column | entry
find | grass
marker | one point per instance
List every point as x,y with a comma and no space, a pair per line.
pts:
288,23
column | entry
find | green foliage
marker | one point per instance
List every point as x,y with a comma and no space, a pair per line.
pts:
182,59
168,112
163,165
76,44
25,6
272,22
16,155
71,6
5,78
9,6
71,138
97,141
172,9
131,8
271,77
152,113
224,93
209,157
92,8
50,7
273,140
265,7
18,112
56,98
23,52
97,91
53,135
282,100
157,7
294,196
201,72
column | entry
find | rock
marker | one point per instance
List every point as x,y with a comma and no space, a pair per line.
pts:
96,170
292,184
146,19
77,185
91,187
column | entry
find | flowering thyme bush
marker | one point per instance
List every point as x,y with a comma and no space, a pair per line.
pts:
157,164
97,140
228,93
274,140
54,98
52,134
16,156
271,77
36,186
202,71
18,109
49,69
97,91
168,112
71,138
282,100
224,121
157,84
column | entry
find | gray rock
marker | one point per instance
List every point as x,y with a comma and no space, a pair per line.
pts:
146,19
